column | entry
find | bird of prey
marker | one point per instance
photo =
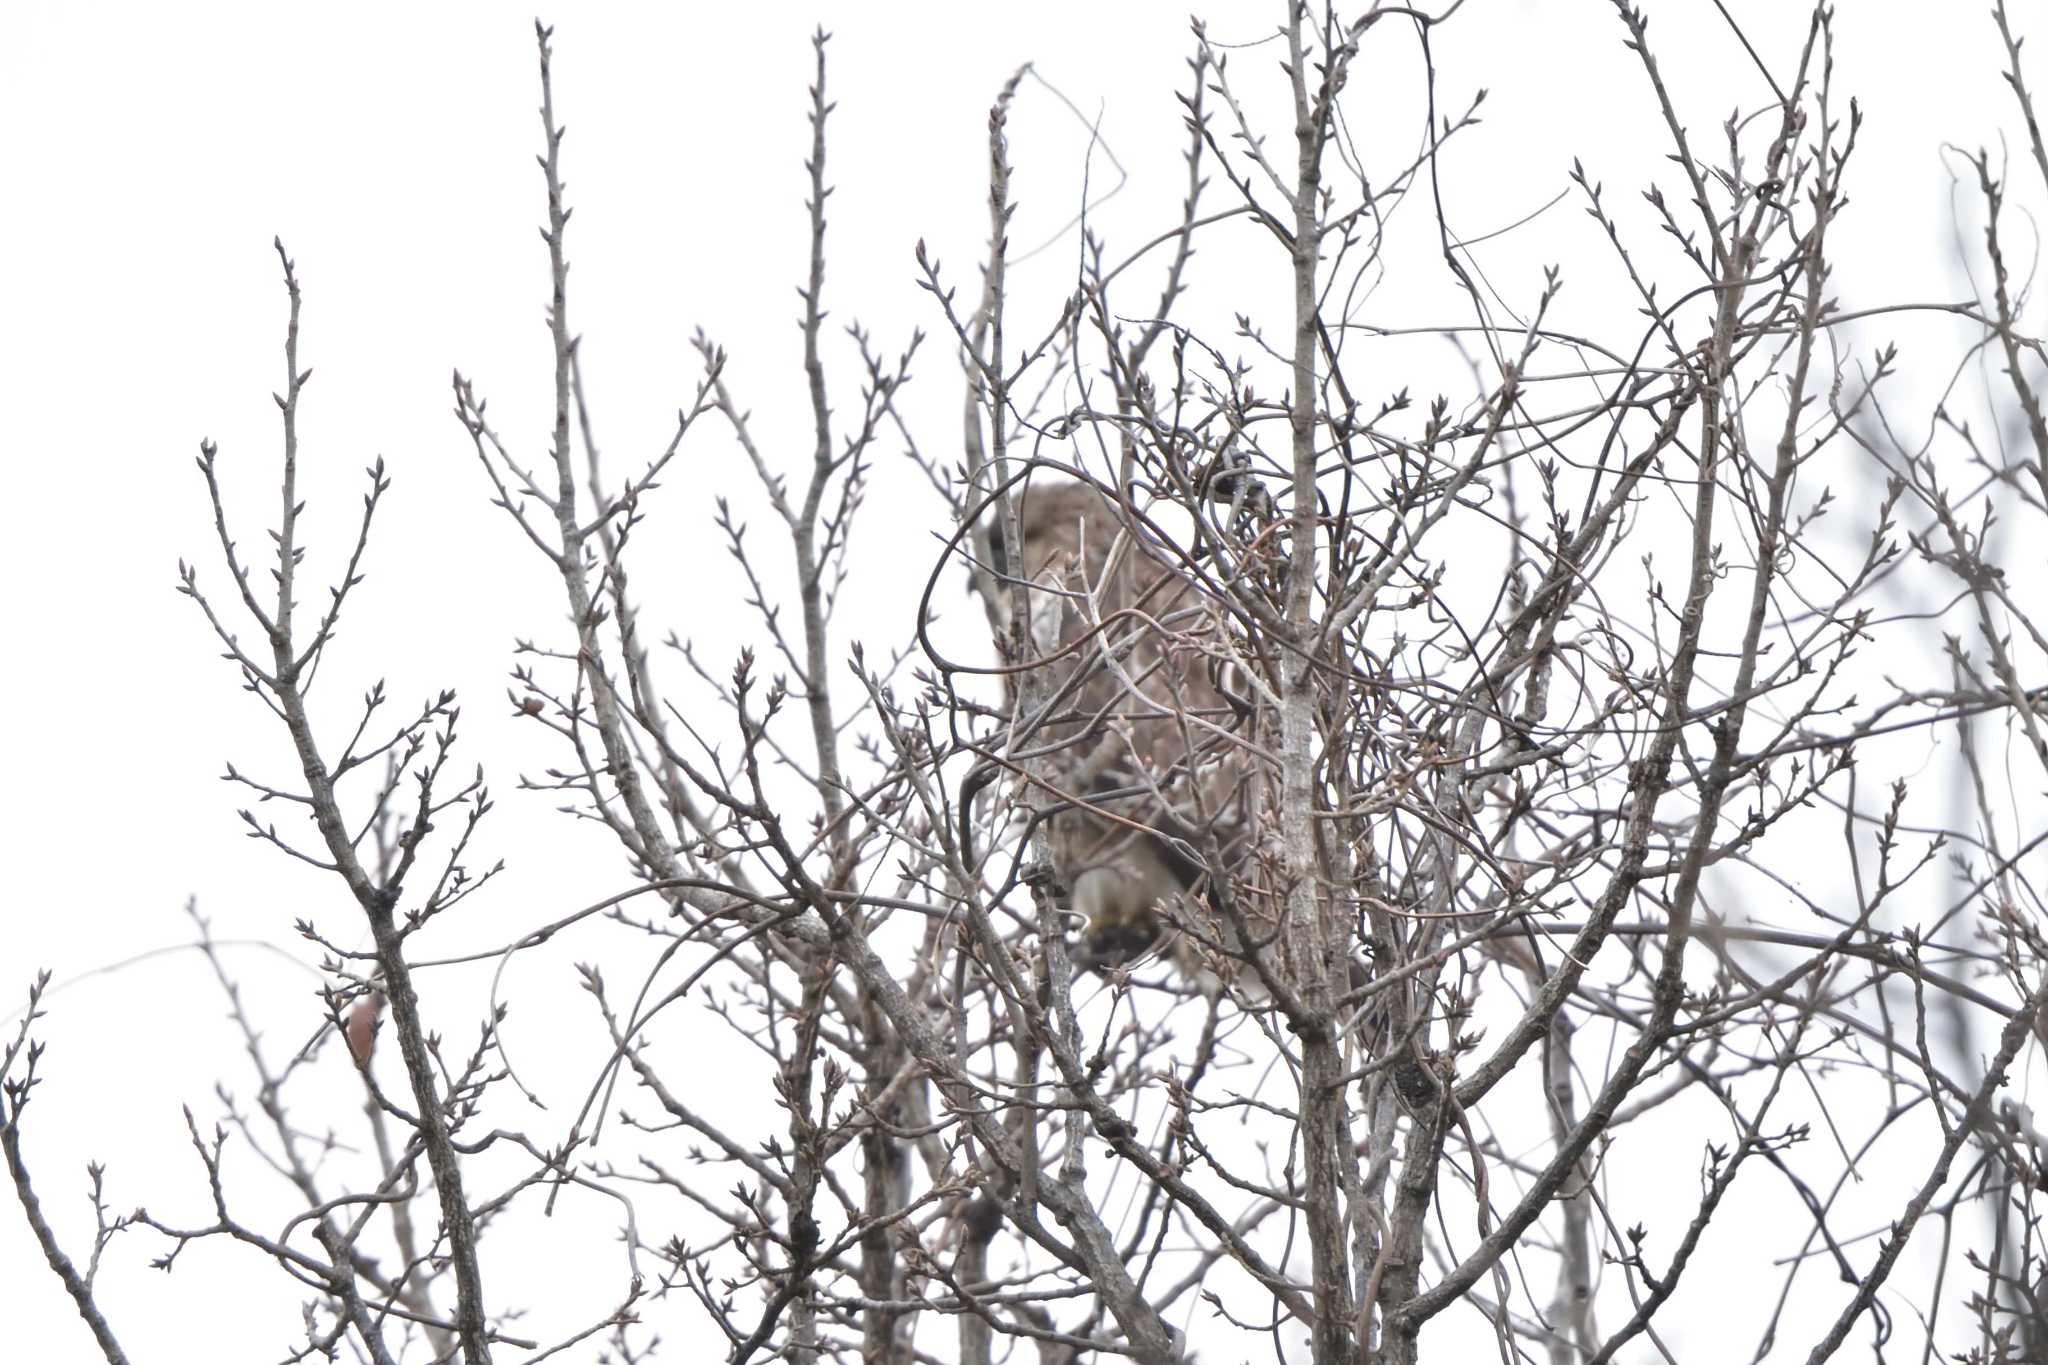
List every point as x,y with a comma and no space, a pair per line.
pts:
1133,729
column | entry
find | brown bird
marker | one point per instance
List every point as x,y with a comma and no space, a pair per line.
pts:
1140,735
359,1028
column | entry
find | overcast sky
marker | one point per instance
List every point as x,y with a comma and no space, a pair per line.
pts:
154,150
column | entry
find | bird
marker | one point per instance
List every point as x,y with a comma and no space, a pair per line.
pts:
359,1028
1150,807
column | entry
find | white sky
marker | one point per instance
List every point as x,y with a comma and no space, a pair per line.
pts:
153,150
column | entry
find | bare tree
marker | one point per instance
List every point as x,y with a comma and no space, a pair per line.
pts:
1381,875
